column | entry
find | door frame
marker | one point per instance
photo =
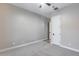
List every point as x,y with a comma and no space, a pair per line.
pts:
50,34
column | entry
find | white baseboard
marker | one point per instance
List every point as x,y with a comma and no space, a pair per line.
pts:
69,48
22,45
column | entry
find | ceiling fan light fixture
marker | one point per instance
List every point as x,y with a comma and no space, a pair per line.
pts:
56,8
49,4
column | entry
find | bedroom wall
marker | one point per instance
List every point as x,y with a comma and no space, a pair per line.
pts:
19,26
69,26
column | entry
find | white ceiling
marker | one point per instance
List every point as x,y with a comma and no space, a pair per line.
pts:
45,10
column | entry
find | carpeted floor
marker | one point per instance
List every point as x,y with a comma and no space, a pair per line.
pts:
40,49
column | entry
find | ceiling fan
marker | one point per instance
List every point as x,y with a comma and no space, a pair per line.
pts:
54,7
50,4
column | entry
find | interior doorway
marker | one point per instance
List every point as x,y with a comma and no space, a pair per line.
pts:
55,30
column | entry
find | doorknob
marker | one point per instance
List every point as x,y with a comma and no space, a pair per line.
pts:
53,34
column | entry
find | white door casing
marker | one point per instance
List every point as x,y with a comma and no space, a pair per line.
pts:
55,30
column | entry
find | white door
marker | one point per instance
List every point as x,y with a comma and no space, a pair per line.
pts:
55,30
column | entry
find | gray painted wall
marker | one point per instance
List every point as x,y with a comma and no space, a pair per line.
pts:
70,26
21,26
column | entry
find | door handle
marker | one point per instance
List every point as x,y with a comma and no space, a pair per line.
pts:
53,34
